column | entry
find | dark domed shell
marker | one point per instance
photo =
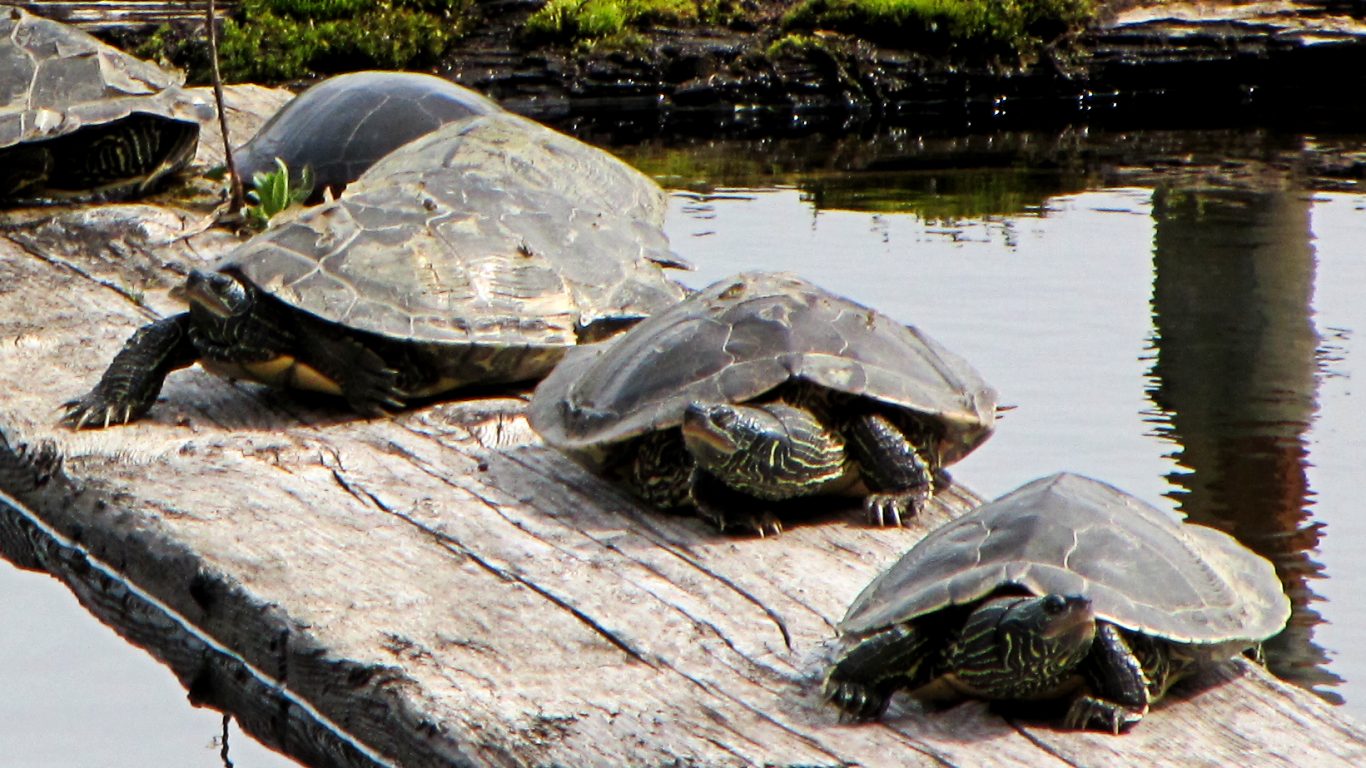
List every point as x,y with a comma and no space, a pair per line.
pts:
1141,568
743,336
342,125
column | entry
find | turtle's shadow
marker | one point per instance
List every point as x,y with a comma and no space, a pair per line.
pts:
197,396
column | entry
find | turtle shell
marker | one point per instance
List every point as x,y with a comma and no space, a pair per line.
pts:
741,337
1141,568
56,81
492,230
342,125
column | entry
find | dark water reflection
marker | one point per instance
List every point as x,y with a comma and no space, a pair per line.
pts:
1234,383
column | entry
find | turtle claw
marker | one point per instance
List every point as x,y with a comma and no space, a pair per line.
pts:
375,392
894,509
1089,711
93,412
765,524
855,702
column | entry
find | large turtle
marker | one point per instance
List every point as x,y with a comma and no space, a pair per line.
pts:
1065,587
474,255
339,127
80,120
763,388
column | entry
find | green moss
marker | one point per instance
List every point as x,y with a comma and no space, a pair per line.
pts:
274,40
992,28
579,21
793,44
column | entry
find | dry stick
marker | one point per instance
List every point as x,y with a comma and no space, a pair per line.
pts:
223,753
234,182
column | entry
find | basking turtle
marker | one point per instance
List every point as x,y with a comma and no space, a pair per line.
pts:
475,255
342,125
1065,587
763,388
80,120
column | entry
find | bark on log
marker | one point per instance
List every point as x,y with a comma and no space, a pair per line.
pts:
439,589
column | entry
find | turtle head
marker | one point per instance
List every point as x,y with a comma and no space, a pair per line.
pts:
1018,646
715,432
219,294
772,451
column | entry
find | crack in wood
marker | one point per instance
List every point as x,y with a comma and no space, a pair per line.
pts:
132,297
503,573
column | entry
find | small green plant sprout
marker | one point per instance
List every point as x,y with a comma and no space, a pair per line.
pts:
273,191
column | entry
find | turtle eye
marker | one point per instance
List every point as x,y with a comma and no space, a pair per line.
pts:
1054,604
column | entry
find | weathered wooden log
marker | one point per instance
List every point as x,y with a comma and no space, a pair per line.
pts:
95,15
440,589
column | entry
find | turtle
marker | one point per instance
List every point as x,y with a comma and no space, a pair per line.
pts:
83,121
339,127
475,255
1065,589
762,389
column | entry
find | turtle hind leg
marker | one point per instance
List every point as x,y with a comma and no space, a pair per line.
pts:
369,385
899,476
1123,681
133,380
365,379
862,682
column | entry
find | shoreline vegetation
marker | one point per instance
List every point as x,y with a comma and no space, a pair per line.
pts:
960,64
272,41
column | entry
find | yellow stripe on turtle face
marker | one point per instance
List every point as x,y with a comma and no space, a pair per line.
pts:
283,371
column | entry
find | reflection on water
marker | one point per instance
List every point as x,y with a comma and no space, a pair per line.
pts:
1234,380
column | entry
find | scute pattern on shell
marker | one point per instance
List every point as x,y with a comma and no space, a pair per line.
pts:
743,336
1141,568
491,230
55,79
342,125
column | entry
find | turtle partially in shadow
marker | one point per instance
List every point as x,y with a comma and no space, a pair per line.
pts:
82,121
341,126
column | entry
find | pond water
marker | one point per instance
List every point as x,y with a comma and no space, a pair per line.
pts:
1175,314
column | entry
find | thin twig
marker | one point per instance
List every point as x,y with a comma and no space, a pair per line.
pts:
234,181
223,753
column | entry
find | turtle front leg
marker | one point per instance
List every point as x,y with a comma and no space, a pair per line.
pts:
864,679
133,380
727,508
1120,689
896,470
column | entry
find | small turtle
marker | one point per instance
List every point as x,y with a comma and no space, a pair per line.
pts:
341,126
1065,587
763,388
82,121
475,255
